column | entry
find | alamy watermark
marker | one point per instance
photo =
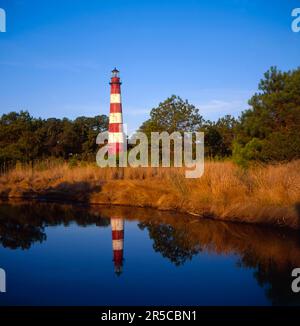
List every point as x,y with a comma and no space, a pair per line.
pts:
296,281
164,149
2,21
2,280
296,21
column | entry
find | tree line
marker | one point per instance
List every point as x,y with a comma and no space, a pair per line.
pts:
268,131
27,139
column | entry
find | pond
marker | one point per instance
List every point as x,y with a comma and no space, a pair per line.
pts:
67,254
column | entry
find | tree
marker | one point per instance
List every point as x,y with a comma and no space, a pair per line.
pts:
218,136
212,139
18,140
173,114
88,129
269,130
26,139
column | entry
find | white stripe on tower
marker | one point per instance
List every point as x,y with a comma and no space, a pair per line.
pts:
115,138
116,135
115,98
115,118
117,227
118,245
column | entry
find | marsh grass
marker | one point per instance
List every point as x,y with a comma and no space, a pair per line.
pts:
261,194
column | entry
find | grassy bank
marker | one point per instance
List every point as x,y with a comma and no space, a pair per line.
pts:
262,194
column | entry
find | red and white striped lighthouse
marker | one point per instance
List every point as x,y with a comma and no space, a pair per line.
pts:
116,135
117,227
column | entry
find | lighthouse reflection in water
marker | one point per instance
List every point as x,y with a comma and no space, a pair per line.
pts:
117,227
66,254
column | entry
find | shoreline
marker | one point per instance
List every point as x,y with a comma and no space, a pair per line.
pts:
262,195
207,216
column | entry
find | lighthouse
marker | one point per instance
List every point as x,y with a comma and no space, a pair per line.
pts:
116,135
117,227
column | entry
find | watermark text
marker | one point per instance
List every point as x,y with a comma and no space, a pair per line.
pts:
2,280
2,21
165,150
296,281
296,21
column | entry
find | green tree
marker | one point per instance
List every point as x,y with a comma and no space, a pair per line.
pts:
218,136
269,130
88,128
174,114
18,138
26,139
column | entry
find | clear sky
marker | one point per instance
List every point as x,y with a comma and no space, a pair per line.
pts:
56,56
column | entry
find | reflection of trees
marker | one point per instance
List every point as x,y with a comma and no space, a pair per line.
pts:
14,234
271,253
171,242
23,224
274,278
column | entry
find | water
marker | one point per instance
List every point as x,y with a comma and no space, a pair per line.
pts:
62,254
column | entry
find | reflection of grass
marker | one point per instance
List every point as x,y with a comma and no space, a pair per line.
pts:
268,194
271,253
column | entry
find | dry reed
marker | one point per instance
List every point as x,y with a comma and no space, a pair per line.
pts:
262,194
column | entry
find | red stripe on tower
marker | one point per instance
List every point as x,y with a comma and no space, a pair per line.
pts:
117,227
115,136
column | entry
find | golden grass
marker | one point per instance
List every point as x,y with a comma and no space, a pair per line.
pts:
262,194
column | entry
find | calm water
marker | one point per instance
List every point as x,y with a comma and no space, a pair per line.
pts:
59,254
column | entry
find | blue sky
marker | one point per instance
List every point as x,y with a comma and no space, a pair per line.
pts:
56,56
